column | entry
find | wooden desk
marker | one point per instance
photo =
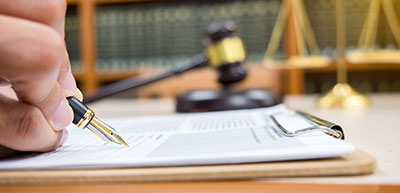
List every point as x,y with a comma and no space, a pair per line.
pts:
201,187
374,130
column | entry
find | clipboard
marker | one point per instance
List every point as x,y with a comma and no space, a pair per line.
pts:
356,163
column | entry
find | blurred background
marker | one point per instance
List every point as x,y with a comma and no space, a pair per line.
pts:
110,40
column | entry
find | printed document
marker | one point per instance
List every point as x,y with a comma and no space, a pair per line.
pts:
227,137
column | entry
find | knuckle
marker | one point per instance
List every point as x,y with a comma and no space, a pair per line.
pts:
49,50
28,131
24,128
26,125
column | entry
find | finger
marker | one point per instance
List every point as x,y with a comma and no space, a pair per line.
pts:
31,62
49,12
24,128
78,95
66,79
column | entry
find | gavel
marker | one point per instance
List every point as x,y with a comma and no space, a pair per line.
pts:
225,52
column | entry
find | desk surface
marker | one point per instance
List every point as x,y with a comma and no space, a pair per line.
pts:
373,130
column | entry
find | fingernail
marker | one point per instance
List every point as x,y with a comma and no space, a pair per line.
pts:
78,94
65,136
4,81
63,116
69,84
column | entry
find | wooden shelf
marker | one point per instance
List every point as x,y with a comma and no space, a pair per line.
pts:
72,2
356,67
108,77
120,1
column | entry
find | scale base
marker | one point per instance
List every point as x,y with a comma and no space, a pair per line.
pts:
343,96
221,100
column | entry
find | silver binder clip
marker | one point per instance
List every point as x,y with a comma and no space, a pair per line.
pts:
318,125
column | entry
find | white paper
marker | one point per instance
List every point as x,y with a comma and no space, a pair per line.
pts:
187,139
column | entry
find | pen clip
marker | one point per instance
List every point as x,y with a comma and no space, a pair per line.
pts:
318,125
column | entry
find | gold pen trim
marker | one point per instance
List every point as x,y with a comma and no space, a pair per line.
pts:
85,120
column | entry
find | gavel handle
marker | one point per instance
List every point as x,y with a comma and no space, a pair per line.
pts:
197,61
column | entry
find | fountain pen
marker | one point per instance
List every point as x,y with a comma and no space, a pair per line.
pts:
85,118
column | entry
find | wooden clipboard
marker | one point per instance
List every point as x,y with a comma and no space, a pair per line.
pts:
357,163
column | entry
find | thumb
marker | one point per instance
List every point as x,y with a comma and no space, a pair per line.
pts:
23,127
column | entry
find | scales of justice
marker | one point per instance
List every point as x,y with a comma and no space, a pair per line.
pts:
342,95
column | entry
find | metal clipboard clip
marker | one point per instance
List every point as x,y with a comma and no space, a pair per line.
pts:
318,125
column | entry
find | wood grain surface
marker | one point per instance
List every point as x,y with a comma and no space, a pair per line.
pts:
357,163
201,187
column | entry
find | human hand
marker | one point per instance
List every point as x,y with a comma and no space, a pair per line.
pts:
35,76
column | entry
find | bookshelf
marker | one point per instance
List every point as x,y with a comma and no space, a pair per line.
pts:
88,76
90,79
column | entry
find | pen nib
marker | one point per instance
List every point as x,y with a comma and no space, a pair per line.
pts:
122,142
105,132
118,139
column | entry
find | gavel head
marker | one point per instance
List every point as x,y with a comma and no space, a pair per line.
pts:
226,52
